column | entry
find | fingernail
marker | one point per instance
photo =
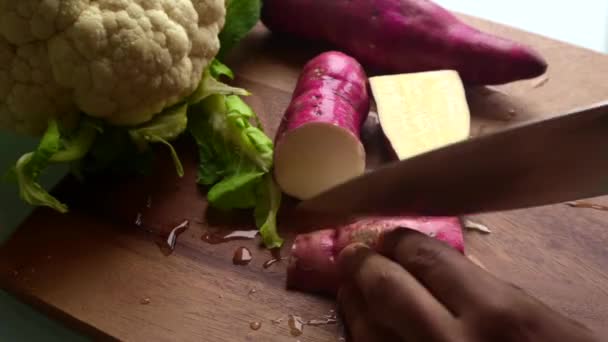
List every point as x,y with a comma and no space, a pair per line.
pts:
389,240
353,249
358,245
351,257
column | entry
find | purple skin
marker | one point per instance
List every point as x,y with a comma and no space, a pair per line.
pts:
404,36
332,89
313,266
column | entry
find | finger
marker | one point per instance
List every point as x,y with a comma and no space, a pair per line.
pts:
395,298
453,279
361,327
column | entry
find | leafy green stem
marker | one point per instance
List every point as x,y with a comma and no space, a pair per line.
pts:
52,149
179,168
78,147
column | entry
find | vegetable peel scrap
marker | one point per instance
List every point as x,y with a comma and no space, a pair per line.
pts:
472,225
587,205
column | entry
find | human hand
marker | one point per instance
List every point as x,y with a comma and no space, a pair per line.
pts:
419,289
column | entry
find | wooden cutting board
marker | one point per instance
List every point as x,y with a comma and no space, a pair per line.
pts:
99,272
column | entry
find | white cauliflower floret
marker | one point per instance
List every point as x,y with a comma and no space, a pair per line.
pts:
120,60
28,93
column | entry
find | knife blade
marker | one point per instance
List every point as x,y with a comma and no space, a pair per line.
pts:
563,158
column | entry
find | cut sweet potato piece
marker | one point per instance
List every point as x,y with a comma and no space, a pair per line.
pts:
421,112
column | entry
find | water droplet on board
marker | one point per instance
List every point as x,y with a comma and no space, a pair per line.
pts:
255,325
296,325
167,242
242,256
276,257
139,219
270,262
242,234
215,238
321,322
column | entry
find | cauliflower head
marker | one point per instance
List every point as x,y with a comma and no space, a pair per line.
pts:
123,61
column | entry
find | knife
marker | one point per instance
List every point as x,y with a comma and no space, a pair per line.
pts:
563,158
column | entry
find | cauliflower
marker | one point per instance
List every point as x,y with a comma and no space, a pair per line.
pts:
122,61
101,80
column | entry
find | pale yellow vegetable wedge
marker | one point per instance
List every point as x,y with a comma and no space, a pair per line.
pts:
420,112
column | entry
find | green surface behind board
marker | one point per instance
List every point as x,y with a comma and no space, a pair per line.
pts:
20,322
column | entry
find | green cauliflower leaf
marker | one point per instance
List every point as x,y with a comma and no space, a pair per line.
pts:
235,159
53,148
241,17
268,204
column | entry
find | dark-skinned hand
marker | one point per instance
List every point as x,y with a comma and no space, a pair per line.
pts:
418,289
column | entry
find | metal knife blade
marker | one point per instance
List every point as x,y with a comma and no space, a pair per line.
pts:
559,159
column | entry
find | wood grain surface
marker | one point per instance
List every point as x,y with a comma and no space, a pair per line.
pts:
98,271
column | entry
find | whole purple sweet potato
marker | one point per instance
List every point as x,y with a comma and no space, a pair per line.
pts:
403,36
312,266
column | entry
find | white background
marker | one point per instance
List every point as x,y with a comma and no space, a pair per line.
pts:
581,22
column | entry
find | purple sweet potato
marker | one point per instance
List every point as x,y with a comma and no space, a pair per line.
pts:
404,36
312,265
317,144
